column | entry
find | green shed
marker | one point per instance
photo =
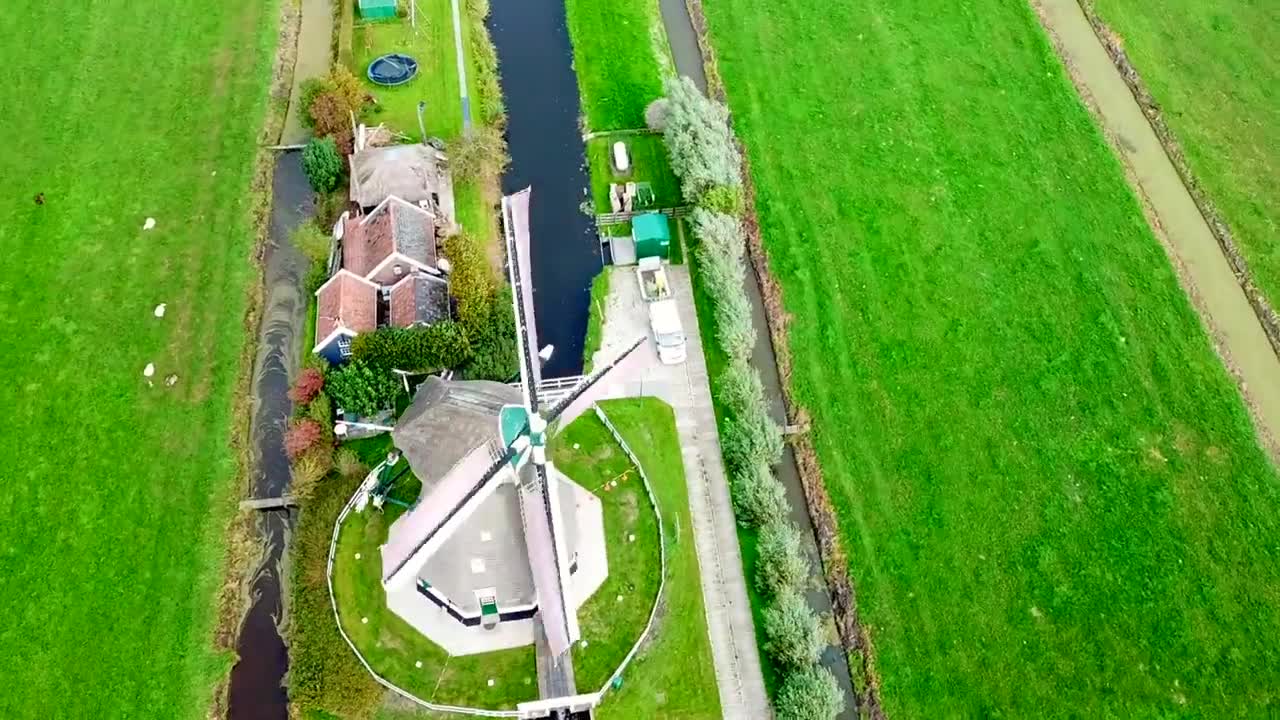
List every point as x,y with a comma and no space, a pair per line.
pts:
652,233
377,9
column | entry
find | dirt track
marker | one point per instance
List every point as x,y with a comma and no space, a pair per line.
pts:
1203,268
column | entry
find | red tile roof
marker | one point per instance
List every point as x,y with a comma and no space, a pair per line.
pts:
364,245
346,301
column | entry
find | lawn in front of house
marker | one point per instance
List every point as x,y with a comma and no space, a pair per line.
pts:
1213,67
118,492
1050,494
620,54
649,164
612,619
437,84
673,674
393,648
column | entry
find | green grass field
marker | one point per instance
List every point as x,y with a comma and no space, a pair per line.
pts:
1049,490
612,619
620,53
1214,70
672,676
118,494
649,164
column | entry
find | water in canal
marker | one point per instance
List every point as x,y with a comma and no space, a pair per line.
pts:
540,91
257,691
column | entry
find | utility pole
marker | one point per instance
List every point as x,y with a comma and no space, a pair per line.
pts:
422,126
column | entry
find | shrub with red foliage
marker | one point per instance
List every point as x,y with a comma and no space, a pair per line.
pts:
301,437
309,384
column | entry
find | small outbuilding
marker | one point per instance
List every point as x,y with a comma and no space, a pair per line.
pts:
377,9
652,234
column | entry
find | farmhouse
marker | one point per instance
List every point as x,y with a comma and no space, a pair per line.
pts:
390,275
473,562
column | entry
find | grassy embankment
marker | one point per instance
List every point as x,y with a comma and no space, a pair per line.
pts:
1213,68
1050,493
673,675
119,492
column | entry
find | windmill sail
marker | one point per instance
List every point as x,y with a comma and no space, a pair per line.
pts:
515,227
544,540
415,529
591,389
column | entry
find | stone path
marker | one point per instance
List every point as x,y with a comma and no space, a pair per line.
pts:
685,387
1202,265
315,38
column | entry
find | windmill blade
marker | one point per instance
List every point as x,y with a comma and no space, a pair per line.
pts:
543,539
454,491
515,227
587,392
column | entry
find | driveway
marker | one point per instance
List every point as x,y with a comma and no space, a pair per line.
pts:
685,387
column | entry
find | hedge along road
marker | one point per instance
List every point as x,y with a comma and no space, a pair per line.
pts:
1204,270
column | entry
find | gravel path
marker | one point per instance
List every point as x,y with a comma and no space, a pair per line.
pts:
315,38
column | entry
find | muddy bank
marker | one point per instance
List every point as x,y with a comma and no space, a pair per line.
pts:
540,92
257,691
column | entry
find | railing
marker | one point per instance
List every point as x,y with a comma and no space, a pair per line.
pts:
662,550
619,217
553,390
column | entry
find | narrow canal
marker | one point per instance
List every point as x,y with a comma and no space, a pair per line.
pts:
540,91
257,691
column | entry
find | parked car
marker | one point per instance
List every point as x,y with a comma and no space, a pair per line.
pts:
664,312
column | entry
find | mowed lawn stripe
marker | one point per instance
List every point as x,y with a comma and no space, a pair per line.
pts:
1050,493
120,492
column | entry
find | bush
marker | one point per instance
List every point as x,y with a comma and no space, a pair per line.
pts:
304,435
361,389
781,566
311,89
312,242
330,119
751,441
309,470
348,464
475,154
698,138
734,327
720,232
317,275
494,355
471,281
793,637
655,114
442,345
322,164
726,199
809,694
758,499
321,410
309,384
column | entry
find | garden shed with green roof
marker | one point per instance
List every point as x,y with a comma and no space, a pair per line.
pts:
377,9
652,233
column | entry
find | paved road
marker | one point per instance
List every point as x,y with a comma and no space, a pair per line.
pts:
1215,291
685,387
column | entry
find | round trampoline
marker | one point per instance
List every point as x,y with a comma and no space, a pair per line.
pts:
394,69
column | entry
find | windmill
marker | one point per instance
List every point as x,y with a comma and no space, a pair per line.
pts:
516,453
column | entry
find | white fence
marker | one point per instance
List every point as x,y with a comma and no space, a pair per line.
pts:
534,708
662,550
